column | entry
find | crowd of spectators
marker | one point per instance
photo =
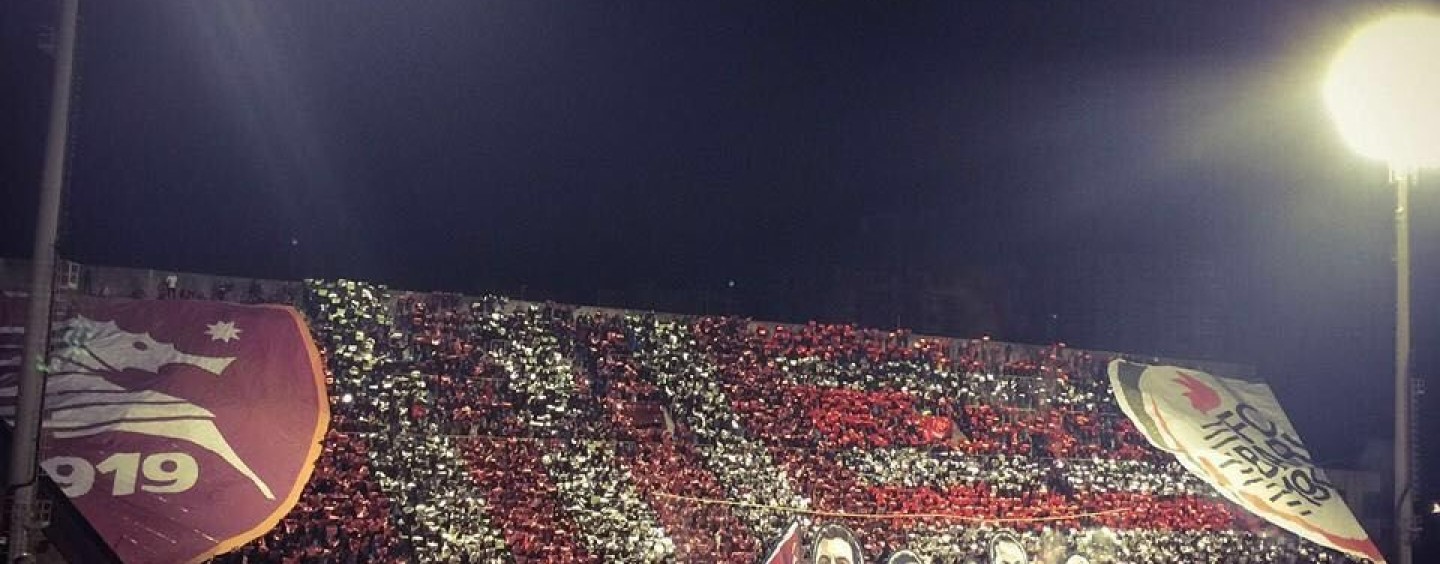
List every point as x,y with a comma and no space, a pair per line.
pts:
485,430
341,515
610,514
669,354
544,435
665,468
524,499
433,510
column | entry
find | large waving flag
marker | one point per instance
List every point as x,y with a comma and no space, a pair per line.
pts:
180,429
1234,436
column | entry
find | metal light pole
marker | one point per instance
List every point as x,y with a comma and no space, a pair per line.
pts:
1381,91
1404,492
26,439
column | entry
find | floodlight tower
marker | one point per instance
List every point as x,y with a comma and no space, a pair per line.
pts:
1383,91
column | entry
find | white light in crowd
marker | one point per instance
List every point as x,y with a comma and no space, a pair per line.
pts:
347,398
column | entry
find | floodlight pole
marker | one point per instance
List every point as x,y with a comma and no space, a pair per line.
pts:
26,438
1403,493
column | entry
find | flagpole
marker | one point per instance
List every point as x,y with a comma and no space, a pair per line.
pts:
26,438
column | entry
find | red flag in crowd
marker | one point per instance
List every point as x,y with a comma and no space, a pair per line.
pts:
787,551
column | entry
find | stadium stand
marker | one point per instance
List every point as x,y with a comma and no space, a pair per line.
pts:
486,430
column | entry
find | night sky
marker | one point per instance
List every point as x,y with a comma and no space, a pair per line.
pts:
577,150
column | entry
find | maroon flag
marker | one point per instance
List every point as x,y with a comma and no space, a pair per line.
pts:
180,429
787,551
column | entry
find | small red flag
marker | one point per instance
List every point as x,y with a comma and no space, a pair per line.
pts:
787,551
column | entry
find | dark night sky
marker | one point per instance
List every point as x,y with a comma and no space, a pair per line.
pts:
573,147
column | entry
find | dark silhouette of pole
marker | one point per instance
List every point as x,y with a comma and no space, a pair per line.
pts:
23,451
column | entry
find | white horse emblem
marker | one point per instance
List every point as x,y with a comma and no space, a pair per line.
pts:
81,401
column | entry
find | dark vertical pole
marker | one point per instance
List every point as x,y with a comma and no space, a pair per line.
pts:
23,470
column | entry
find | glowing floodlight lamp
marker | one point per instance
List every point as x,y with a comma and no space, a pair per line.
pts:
1383,91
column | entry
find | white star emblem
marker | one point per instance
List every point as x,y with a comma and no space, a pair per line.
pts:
224,331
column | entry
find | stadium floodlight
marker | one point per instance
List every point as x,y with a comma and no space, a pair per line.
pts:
1383,91
1382,88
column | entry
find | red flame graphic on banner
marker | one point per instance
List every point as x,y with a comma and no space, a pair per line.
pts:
1202,397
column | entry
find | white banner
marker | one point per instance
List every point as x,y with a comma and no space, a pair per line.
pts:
1234,435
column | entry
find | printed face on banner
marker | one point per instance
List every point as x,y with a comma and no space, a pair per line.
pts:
1006,549
905,557
179,428
834,551
835,544
1235,436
